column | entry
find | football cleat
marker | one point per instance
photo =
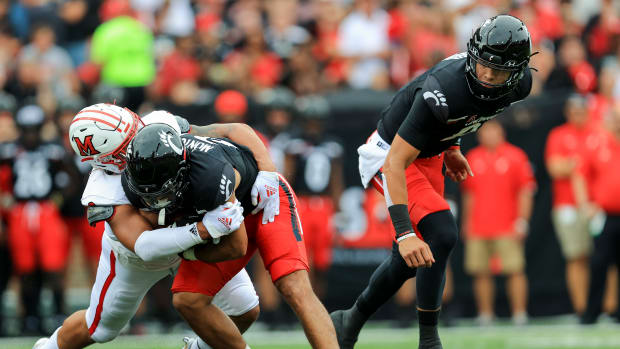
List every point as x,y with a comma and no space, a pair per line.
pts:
345,339
40,343
188,342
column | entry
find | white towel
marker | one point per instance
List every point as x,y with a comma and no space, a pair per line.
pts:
371,157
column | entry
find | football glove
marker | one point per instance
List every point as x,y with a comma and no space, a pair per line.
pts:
224,219
266,195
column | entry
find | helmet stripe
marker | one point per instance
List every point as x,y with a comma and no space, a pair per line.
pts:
102,112
98,120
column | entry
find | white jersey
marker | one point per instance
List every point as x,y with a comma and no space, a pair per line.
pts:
103,189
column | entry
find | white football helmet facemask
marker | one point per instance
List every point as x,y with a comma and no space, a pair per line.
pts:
100,133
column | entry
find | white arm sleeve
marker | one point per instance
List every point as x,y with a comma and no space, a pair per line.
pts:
154,244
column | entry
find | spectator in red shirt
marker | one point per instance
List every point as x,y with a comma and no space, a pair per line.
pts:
180,65
597,190
496,211
567,145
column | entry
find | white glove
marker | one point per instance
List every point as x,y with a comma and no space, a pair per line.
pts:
266,195
224,219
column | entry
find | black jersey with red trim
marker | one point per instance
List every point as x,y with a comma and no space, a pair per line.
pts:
434,110
211,176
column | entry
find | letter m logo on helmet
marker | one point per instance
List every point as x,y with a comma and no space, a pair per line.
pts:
86,148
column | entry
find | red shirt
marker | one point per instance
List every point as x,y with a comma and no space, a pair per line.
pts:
569,141
499,176
176,67
601,170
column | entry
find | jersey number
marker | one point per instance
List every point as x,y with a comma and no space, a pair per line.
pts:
464,131
318,172
32,178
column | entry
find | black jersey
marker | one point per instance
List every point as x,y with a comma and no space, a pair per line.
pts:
211,176
434,110
313,164
35,171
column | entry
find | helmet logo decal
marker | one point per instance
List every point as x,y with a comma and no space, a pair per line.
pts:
87,148
166,139
437,96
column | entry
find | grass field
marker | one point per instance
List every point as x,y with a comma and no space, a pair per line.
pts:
499,337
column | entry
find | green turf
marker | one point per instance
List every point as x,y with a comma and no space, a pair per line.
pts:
500,337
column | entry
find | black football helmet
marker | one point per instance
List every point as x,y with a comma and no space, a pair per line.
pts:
503,43
157,166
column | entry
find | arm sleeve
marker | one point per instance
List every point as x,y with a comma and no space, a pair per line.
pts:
157,243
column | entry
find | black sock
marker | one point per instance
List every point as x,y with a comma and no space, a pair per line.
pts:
384,282
428,318
429,335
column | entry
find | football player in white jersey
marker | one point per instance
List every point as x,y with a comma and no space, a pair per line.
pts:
100,134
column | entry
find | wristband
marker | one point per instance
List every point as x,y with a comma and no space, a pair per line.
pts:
455,147
401,221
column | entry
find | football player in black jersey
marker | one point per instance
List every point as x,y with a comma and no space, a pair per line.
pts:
418,133
187,176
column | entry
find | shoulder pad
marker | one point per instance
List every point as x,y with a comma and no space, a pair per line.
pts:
435,98
183,124
96,214
162,117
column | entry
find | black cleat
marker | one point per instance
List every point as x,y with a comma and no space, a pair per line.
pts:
436,345
429,338
346,340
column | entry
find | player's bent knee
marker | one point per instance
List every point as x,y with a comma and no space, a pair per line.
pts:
245,320
188,301
294,289
252,315
440,228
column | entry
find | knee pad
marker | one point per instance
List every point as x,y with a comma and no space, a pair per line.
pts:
439,230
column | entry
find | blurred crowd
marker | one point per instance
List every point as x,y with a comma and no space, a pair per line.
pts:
269,63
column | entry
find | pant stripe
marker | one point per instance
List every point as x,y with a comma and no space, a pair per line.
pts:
104,290
293,208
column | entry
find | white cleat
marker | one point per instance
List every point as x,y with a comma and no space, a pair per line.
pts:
40,343
188,342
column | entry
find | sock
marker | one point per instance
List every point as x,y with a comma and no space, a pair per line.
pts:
429,335
52,343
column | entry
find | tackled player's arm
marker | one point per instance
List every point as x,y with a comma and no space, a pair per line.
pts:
231,246
241,134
